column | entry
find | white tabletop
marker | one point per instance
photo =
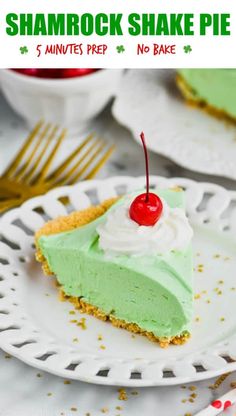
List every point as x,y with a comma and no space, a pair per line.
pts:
25,391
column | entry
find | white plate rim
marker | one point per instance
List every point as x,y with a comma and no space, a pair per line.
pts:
170,140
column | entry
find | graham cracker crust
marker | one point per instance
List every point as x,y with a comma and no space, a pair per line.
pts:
194,101
85,307
70,222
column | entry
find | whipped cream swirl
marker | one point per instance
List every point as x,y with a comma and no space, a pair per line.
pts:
120,235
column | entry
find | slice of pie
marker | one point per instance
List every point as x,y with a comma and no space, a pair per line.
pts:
212,90
138,277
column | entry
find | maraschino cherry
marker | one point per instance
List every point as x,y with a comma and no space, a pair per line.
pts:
146,208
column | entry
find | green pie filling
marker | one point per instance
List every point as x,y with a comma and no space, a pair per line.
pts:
214,86
154,292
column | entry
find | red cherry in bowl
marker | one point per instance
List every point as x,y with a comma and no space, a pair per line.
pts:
76,72
32,72
146,212
54,73
49,73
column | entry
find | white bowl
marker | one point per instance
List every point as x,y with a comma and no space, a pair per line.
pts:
71,102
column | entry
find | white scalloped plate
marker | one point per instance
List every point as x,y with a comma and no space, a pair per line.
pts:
149,100
35,327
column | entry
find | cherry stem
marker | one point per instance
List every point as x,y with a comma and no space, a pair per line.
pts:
142,136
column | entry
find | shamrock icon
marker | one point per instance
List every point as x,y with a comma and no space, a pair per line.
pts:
187,49
24,50
120,49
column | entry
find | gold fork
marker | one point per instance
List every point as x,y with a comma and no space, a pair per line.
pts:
16,179
28,174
